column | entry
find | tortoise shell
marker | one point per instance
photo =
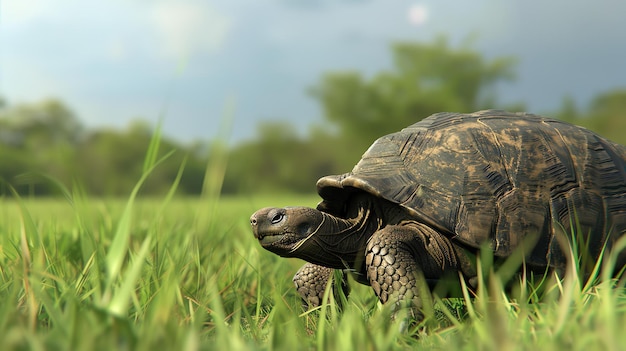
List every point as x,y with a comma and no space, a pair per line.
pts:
496,178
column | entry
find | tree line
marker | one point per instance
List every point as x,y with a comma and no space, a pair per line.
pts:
45,143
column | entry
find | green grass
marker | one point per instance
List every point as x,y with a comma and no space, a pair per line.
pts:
187,274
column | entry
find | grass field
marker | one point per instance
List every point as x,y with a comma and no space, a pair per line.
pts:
187,274
174,273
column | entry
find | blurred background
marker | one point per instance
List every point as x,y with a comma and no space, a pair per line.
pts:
273,94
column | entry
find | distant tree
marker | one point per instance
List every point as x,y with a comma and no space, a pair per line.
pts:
425,79
611,103
46,139
606,115
569,110
110,162
37,138
264,158
46,123
279,160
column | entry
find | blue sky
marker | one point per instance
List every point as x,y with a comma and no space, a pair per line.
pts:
115,60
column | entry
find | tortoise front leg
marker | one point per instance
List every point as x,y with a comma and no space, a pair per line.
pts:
402,261
311,281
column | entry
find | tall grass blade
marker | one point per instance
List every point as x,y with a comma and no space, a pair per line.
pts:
120,301
172,190
28,234
216,168
119,246
153,148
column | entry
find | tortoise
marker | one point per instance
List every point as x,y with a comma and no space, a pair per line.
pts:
422,202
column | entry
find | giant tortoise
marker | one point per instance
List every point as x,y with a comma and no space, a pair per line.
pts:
422,201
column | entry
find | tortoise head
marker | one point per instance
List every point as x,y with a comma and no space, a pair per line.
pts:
283,230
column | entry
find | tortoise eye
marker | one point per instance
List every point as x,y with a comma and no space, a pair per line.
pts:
277,218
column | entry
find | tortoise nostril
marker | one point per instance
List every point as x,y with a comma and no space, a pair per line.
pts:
253,220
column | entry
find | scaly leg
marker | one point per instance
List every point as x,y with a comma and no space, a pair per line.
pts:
402,259
311,281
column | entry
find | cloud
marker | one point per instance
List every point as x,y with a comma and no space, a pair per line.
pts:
189,28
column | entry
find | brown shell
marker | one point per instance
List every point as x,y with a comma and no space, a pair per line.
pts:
496,177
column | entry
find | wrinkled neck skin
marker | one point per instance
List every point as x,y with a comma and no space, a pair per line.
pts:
340,242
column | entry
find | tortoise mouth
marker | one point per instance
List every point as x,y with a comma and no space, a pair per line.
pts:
269,239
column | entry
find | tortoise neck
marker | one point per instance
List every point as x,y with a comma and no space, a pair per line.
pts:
340,242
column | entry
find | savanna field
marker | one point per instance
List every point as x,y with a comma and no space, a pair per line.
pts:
186,274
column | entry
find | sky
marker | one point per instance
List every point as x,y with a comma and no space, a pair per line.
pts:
194,62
